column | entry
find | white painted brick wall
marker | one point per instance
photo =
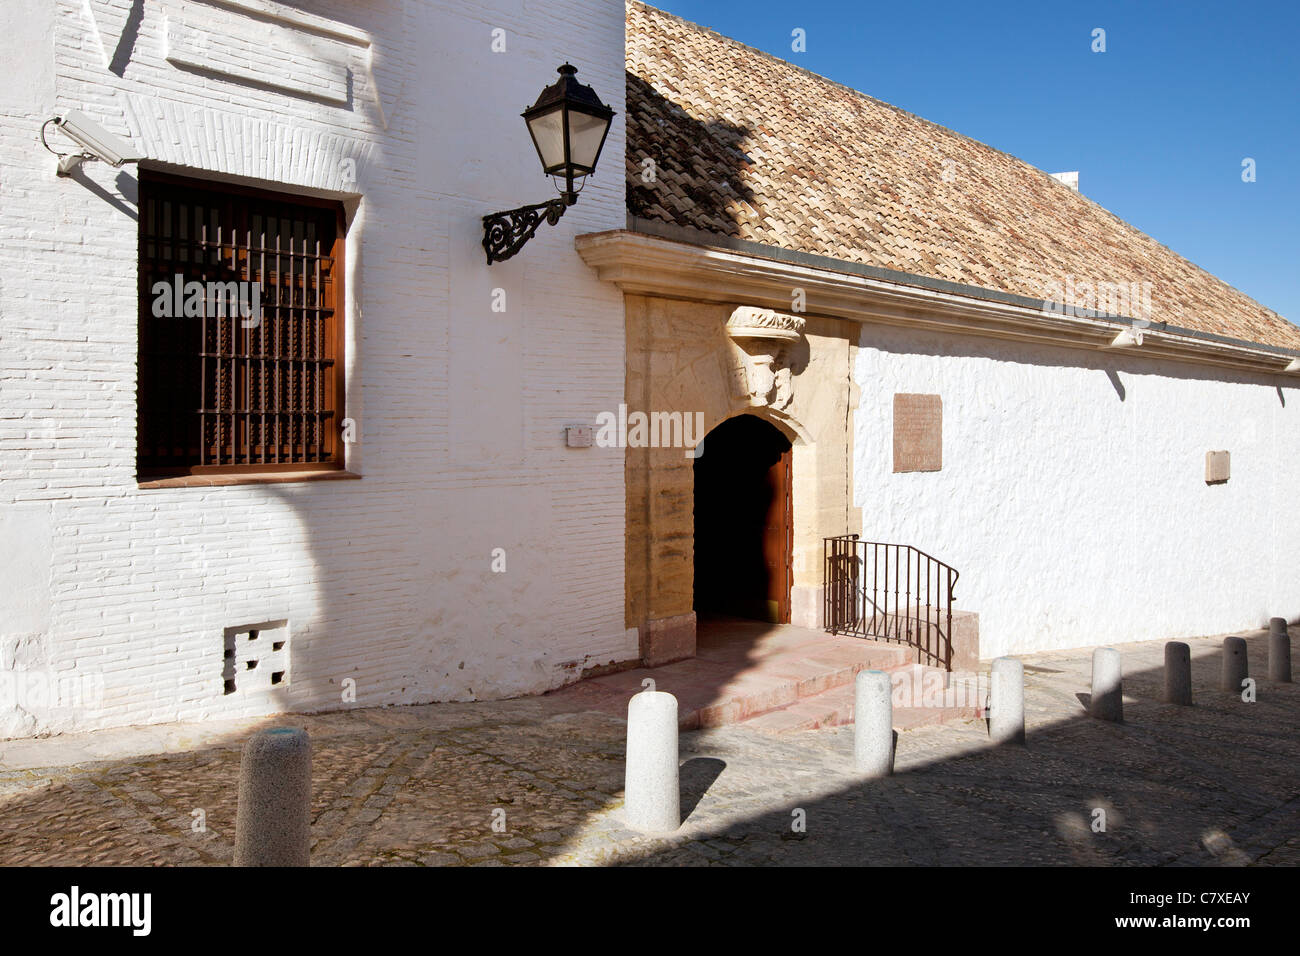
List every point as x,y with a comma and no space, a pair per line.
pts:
1077,516
386,580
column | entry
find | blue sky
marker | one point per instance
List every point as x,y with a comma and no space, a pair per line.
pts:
1158,125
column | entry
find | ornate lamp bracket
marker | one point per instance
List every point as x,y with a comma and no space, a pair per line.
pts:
504,233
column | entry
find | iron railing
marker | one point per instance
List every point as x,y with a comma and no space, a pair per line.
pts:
890,592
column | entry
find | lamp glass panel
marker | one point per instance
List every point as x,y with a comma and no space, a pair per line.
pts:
548,133
586,133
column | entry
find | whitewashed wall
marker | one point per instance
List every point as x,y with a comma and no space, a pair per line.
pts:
386,580
1072,498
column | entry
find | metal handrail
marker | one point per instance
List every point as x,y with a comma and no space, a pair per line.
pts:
854,607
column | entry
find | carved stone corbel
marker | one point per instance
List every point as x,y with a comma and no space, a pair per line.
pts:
764,338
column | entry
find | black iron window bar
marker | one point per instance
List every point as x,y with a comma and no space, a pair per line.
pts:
218,391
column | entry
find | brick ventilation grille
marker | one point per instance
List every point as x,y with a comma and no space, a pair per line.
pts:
255,657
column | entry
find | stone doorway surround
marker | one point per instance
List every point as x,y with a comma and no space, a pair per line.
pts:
720,361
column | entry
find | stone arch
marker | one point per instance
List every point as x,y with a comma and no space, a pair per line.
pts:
787,424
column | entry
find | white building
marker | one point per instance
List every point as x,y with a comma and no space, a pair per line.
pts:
910,337
404,117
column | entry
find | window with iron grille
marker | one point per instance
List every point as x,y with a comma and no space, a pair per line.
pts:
240,345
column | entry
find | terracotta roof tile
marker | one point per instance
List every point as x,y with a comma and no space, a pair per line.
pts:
747,145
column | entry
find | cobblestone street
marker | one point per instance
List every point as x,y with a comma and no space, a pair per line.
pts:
423,786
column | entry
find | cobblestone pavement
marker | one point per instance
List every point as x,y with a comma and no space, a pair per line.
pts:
1216,783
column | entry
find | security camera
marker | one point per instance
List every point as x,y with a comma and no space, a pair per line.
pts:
97,143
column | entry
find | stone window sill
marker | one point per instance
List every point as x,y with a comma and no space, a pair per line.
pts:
263,478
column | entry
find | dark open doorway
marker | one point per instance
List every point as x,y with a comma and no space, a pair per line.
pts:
743,528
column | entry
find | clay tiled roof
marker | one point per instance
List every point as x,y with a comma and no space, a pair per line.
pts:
749,146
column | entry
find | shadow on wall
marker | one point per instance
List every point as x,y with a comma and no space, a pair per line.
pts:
126,41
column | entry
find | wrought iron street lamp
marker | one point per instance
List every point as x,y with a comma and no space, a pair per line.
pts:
568,124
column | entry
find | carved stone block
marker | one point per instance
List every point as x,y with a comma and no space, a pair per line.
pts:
918,433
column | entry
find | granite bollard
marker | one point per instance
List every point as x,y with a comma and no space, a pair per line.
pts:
1279,651
1007,701
273,819
1178,673
1235,667
873,724
1107,700
651,789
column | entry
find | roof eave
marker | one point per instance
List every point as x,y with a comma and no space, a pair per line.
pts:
724,270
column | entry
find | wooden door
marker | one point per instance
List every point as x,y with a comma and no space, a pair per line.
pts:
778,539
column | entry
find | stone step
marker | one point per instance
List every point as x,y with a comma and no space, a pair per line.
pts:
743,673
834,707
785,679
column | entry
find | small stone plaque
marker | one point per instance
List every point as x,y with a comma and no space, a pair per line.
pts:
578,436
918,433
